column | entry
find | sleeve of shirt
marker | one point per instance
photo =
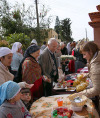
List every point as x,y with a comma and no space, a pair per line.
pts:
95,78
20,58
2,115
43,64
2,78
22,84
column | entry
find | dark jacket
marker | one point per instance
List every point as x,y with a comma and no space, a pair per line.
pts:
79,56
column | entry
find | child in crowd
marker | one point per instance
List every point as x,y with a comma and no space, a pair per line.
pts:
26,97
10,104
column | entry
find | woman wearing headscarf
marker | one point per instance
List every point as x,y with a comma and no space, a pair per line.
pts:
30,71
10,104
5,61
17,57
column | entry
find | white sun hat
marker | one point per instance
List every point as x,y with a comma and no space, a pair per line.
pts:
34,41
4,51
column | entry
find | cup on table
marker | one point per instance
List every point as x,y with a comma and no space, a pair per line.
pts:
60,102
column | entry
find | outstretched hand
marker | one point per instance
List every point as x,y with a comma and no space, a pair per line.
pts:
28,85
46,79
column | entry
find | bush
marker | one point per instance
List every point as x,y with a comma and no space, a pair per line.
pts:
3,43
22,38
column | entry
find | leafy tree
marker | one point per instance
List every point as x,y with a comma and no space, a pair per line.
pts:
63,28
4,11
11,26
14,23
4,8
16,19
66,32
44,21
21,37
40,35
57,26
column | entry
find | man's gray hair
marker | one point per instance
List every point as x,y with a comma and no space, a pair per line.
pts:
52,40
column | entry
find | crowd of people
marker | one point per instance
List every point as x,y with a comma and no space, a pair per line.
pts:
26,77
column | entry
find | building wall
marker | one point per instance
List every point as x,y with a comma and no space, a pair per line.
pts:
52,34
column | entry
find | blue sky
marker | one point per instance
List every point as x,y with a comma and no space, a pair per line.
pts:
76,10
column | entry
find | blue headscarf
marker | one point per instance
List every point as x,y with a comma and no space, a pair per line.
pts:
8,90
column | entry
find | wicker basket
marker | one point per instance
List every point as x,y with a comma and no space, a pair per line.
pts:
78,104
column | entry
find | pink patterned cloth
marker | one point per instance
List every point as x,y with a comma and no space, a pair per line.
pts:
83,70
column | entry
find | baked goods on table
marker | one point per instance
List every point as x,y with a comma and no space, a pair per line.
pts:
82,86
81,77
80,83
76,82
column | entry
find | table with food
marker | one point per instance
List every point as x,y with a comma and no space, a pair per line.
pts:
65,103
63,106
71,83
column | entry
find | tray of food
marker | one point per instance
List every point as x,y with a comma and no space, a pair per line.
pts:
71,89
59,86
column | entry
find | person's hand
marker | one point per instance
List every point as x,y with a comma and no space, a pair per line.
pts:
75,94
49,80
59,67
84,75
78,94
25,85
46,79
28,85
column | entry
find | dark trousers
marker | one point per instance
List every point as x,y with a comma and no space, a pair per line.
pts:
14,72
47,88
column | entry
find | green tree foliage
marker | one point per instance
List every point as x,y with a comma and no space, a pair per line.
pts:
13,23
18,19
63,28
66,32
40,35
11,26
4,11
4,8
21,37
57,26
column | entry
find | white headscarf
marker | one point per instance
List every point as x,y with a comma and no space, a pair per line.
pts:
34,42
4,51
16,46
